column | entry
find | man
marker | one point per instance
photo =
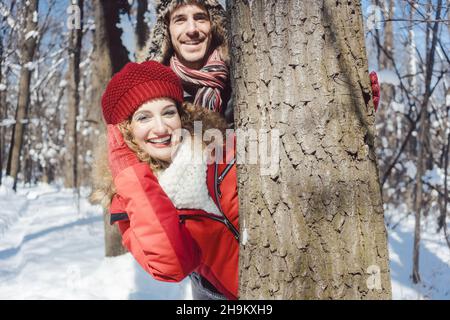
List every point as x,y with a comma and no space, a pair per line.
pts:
191,37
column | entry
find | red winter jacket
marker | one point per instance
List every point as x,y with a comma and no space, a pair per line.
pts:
170,243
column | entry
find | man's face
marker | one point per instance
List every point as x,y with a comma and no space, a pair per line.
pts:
190,33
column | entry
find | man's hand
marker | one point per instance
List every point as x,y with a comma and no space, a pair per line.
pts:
120,156
375,89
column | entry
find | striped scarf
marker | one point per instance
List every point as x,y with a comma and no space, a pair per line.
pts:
209,80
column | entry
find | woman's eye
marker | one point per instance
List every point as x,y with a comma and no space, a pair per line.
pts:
141,118
170,113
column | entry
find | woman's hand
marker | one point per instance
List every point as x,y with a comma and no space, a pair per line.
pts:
120,156
375,89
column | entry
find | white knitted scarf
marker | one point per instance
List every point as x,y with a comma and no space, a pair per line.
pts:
184,181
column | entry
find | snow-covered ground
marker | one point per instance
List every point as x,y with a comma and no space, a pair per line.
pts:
52,248
434,266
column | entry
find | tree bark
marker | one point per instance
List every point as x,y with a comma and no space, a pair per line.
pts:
432,33
27,49
387,64
385,114
73,101
142,30
3,111
412,81
314,229
109,57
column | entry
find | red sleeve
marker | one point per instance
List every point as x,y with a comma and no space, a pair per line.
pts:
155,237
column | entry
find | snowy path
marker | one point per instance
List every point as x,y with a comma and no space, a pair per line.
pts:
434,262
49,251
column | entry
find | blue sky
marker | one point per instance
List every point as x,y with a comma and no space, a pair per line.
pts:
128,32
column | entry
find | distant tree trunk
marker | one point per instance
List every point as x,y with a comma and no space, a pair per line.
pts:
443,199
377,33
5,44
109,57
387,53
385,115
314,229
3,111
432,34
73,101
142,30
386,62
27,49
412,81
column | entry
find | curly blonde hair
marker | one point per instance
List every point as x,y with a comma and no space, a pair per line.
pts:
103,187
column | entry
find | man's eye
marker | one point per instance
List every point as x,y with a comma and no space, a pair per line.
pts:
201,17
179,20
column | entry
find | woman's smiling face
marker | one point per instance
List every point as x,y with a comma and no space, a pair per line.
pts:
155,127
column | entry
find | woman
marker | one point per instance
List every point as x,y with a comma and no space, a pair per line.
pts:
177,217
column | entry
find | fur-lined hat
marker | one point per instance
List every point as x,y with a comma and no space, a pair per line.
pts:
159,45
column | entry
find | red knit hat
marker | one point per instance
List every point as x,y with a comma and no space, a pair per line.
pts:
136,84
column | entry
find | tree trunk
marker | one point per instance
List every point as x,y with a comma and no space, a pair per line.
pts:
385,114
386,63
73,101
27,49
3,110
432,33
142,31
109,57
412,81
314,229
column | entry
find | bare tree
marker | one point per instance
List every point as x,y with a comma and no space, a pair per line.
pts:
314,229
418,149
28,39
109,57
432,32
142,30
73,101
2,106
5,48
386,63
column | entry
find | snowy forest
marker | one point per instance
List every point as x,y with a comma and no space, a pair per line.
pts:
56,58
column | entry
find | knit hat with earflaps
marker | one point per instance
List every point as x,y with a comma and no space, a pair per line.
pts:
136,84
